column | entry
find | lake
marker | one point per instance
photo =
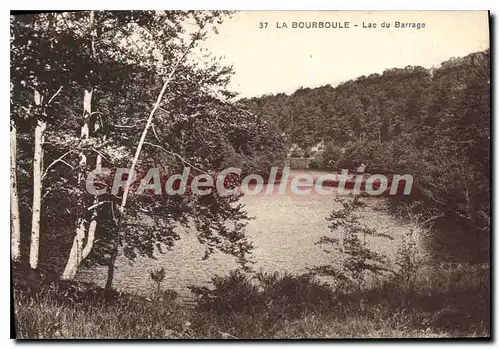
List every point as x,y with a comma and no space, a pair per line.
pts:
284,232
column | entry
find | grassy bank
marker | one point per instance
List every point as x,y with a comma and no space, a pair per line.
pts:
443,301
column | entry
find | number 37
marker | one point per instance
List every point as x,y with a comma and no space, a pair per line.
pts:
262,25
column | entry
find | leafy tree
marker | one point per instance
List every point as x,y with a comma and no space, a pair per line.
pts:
112,67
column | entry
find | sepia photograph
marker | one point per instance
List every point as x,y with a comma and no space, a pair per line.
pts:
250,175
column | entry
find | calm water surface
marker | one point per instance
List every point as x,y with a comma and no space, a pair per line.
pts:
284,233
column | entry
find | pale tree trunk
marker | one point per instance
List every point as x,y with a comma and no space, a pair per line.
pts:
93,220
121,211
79,251
37,186
14,199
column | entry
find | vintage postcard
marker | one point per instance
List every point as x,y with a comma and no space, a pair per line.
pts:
250,174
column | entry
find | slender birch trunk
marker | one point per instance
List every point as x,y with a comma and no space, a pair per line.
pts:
79,250
93,220
14,198
76,254
37,186
121,210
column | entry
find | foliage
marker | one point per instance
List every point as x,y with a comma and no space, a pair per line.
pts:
448,300
408,259
297,153
348,237
123,57
158,276
277,294
431,123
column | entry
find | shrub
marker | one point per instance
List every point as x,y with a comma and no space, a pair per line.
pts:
234,293
158,276
357,258
294,295
408,259
277,294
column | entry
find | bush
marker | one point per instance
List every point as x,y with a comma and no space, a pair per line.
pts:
234,293
277,294
348,238
294,295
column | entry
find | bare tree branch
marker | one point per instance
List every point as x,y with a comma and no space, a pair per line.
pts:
54,95
96,205
150,120
59,159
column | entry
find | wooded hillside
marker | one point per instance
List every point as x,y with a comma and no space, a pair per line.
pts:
431,123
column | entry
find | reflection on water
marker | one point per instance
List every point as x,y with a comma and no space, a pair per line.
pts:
284,233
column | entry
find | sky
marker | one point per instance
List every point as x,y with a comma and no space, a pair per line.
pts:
276,59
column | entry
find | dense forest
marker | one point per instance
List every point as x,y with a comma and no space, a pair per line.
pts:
431,123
